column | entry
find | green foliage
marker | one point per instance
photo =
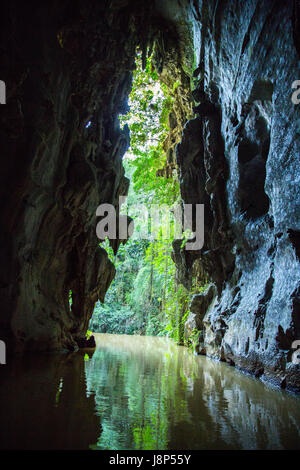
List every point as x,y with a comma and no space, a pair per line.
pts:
150,105
145,297
112,318
116,315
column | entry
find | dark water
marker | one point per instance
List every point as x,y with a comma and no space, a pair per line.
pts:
140,393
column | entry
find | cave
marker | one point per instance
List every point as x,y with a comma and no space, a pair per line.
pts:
66,75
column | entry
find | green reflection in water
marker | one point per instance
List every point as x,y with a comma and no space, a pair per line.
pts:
137,386
152,394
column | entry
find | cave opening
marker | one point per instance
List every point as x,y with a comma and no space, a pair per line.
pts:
145,297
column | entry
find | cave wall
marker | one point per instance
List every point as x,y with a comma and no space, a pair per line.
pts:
67,68
239,156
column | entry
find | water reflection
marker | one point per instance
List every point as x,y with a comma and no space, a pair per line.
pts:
43,404
140,393
152,394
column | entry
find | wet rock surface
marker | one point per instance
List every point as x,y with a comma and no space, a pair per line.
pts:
239,157
68,73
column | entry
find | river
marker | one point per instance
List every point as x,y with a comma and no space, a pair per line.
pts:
140,393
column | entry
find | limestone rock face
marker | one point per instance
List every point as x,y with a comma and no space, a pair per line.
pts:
201,302
194,326
240,157
67,68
